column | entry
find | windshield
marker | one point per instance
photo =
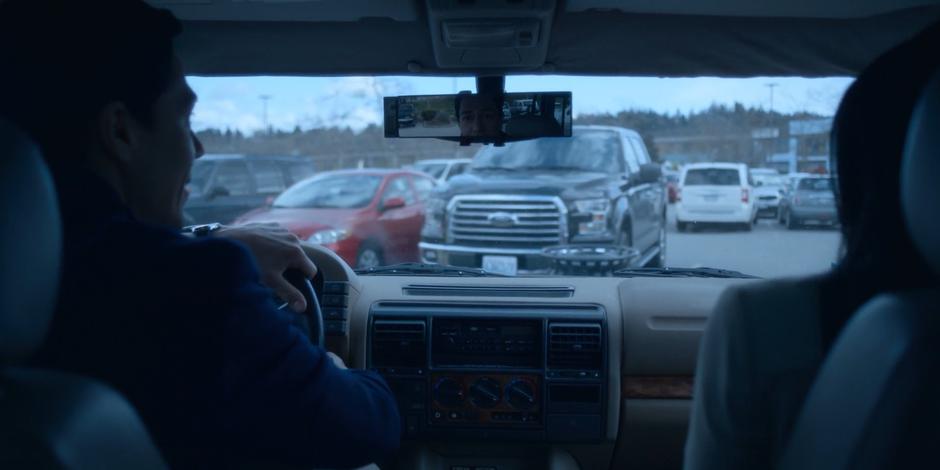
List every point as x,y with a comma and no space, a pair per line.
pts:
659,171
330,192
816,184
199,175
557,153
712,177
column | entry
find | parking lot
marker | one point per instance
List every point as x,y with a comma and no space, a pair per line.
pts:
770,250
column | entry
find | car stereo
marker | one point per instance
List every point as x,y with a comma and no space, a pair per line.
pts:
508,371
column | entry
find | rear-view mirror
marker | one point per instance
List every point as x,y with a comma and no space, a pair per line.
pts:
393,203
479,118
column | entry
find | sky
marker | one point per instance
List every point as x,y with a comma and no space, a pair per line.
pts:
355,102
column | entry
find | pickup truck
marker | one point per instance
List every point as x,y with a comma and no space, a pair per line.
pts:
597,187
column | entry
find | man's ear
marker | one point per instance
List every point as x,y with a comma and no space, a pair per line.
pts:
118,132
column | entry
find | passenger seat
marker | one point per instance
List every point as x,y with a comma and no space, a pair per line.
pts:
48,419
875,403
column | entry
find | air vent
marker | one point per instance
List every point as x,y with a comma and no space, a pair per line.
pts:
400,345
574,346
489,291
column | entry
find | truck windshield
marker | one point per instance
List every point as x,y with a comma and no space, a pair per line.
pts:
557,153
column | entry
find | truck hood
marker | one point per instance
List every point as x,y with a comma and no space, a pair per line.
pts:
546,183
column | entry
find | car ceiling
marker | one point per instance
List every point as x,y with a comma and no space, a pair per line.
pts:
677,38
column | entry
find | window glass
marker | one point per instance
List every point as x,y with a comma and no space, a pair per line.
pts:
398,187
816,184
331,191
298,171
199,175
423,186
233,176
558,153
712,177
457,169
632,159
433,169
640,150
268,176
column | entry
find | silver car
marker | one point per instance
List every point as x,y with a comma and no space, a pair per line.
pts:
809,201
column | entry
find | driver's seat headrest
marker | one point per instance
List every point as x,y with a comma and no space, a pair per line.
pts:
30,245
920,175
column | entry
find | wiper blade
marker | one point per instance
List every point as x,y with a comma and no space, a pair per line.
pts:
489,168
683,272
553,168
406,269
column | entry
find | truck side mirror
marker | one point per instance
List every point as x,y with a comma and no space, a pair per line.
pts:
650,173
393,203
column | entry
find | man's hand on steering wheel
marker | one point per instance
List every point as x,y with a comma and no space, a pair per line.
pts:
275,250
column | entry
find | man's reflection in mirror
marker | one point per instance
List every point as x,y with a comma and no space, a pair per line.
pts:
479,115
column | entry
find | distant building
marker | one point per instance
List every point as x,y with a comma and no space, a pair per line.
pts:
807,147
800,146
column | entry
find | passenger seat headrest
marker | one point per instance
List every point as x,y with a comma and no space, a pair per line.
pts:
30,245
920,175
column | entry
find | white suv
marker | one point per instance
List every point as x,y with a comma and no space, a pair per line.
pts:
715,193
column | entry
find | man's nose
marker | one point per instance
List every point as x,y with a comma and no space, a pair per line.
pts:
197,145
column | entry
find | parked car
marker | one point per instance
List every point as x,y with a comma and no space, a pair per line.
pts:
442,169
769,189
597,187
368,217
672,186
810,200
406,115
715,193
222,187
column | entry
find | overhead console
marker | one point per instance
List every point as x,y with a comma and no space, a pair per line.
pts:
518,372
490,33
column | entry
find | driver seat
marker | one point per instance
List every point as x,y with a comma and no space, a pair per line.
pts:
48,419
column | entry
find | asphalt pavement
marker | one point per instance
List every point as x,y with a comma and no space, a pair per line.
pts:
769,250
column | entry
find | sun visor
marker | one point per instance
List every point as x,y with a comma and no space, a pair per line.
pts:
490,33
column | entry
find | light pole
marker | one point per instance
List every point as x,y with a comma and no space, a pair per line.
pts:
771,86
264,111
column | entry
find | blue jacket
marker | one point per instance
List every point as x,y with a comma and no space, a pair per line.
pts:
185,331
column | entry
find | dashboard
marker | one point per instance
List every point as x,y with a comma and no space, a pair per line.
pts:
528,372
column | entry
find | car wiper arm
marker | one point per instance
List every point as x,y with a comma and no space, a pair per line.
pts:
406,269
489,168
683,272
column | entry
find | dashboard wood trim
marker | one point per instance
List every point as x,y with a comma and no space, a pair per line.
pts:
669,386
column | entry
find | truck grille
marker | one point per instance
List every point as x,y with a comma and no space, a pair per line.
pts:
507,221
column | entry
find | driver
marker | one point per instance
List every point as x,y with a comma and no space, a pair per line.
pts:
185,328
479,115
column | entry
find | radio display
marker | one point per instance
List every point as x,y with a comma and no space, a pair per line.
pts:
475,342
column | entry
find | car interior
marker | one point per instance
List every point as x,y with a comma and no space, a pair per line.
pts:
520,372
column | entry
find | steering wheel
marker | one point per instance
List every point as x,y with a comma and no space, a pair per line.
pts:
311,320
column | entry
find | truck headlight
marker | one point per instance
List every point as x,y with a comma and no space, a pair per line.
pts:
433,219
326,237
597,209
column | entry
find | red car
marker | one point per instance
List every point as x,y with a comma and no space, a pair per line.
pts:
368,217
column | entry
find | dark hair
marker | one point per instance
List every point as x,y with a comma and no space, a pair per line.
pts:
867,140
65,60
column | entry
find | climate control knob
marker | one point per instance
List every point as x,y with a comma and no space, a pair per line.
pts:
485,393
520,394
448,393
